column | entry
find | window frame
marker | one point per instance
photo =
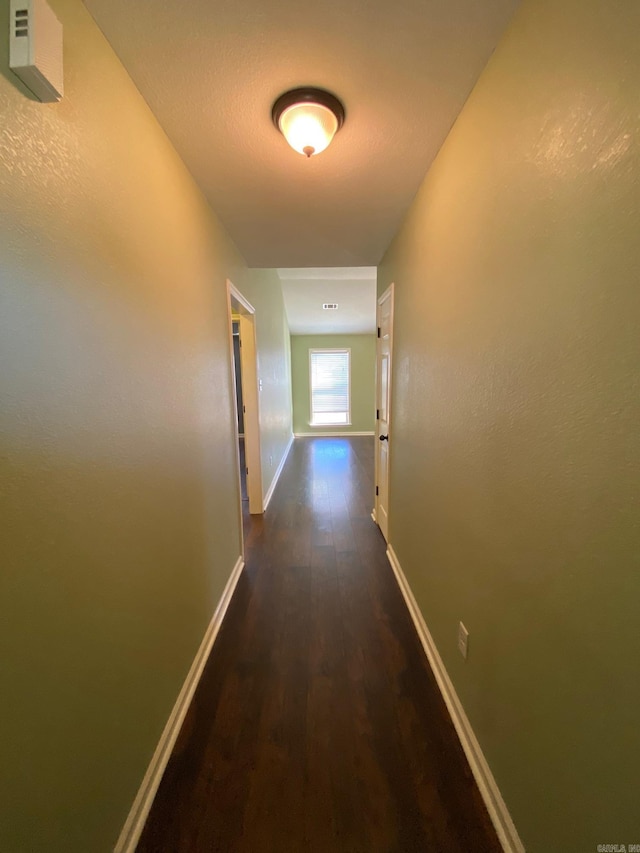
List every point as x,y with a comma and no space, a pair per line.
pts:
312,351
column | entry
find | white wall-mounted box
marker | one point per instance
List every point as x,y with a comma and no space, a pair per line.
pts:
35,48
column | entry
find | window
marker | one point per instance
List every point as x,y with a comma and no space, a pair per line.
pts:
330,387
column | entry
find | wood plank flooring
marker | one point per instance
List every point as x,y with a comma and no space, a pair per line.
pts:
317,725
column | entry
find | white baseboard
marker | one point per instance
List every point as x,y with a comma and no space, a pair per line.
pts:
276,476
137,817
329,434
498,812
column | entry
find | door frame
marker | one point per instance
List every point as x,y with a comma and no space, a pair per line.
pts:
389,293
250,398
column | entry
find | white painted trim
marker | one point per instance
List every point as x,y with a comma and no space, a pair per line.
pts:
134,824
328,434
233,290
373,516
498,812
276,476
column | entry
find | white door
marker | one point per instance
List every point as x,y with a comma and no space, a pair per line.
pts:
250,397
383,413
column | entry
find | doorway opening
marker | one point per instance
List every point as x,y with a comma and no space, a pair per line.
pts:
237,366
244,366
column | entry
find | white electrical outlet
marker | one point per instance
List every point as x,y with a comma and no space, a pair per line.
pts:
271,460
463,640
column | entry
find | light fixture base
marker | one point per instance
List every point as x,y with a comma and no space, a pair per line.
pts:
308,95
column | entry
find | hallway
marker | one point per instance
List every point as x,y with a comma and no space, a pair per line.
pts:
317,724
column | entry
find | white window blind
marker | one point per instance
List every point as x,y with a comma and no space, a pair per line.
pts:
330,391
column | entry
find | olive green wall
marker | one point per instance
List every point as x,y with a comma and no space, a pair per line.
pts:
363,374
264,291
515,442
119,496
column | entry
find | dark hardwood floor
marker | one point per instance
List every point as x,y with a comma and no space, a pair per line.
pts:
317,725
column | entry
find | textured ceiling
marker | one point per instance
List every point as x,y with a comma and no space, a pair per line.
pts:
211,69
353,288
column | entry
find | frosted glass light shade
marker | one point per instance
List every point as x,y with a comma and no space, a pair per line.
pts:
308,118
308,128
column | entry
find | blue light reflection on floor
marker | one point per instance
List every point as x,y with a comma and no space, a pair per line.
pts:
330,448
338,454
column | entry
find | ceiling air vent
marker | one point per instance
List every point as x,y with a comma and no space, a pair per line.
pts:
35,48
330,306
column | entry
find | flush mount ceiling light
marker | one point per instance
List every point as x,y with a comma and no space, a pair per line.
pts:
308,118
